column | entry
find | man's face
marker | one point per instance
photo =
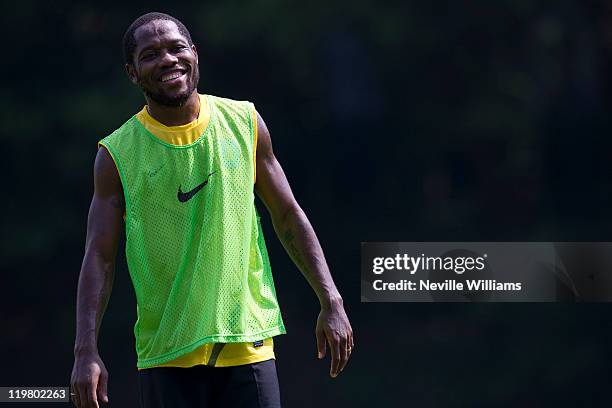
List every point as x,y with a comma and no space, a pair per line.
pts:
165,66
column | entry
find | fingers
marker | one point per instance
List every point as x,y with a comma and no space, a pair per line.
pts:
341,347
74,396
77,391
92,399
89,381
320,344
334,330
103,388
334,346
345,352
350,344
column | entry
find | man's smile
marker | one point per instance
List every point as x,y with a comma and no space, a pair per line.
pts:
172,76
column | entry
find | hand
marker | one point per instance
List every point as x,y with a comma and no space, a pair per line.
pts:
333,325
89,381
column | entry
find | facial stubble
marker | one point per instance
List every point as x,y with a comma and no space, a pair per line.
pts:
177,100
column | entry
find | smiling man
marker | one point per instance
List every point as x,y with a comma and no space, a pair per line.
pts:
183,173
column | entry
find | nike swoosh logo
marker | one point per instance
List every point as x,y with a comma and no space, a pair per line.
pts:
183,197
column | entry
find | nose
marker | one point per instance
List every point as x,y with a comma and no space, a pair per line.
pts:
167,58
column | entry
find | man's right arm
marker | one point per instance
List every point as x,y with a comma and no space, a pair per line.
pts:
89,376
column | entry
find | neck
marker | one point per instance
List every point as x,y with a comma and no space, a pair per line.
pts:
175,115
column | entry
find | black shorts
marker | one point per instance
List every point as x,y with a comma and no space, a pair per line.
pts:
249,386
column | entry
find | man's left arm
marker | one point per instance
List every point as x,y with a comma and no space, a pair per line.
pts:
300,241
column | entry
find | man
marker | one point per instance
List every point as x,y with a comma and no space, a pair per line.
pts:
181,174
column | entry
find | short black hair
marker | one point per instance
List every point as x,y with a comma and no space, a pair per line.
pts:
129,42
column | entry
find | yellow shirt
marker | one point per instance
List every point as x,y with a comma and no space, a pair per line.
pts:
213,354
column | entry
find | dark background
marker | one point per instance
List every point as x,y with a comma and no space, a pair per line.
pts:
394,121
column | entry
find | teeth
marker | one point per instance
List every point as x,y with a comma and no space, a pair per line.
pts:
170,76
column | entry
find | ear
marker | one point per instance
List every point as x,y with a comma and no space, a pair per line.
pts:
131,72
195,51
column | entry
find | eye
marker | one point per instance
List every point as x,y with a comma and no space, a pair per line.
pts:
147,56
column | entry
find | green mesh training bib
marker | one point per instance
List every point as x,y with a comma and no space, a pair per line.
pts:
194,245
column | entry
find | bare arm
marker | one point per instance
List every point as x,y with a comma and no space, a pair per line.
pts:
300,241
89,376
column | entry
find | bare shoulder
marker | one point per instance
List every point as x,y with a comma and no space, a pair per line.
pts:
264,142
106,177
